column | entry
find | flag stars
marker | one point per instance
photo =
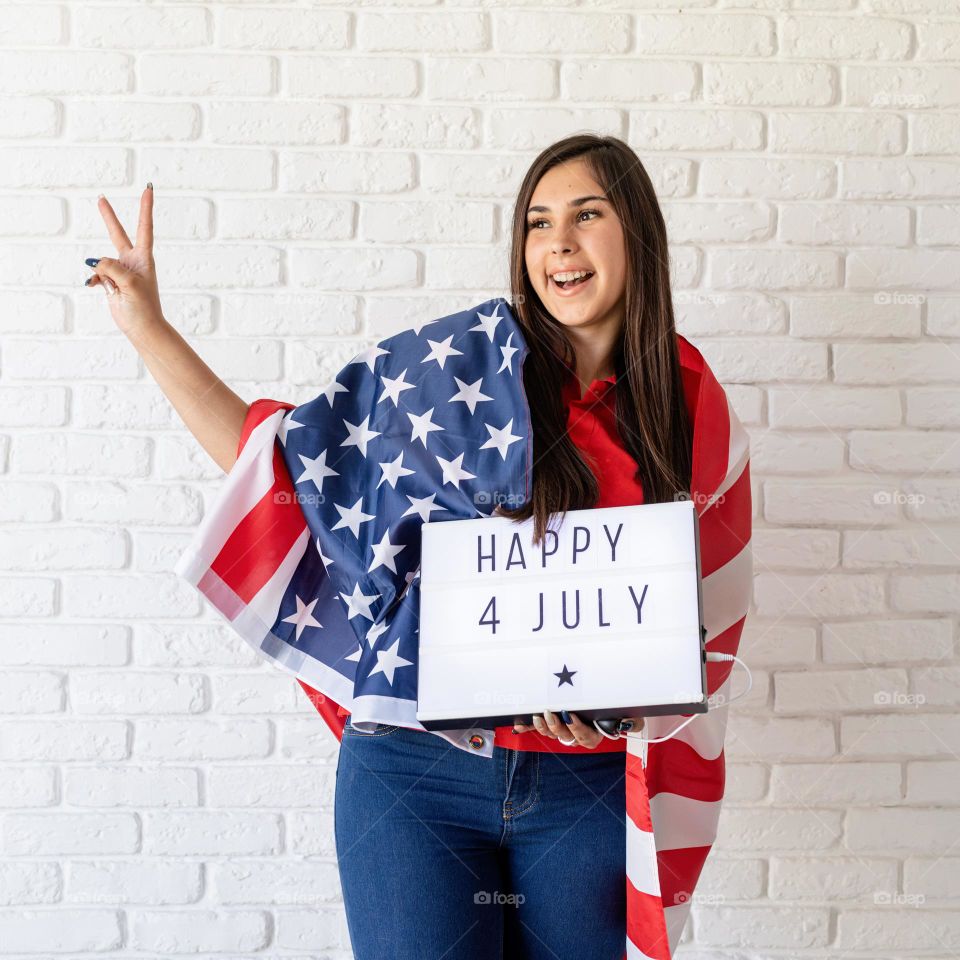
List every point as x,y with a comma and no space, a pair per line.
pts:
422,506
393,470
440,350
500,439
286,425
469,393
352,517
359,434
384,552
453,471
358,603
315,470
507,352
388,661
369,356
303,618
393,387
488,324
423,425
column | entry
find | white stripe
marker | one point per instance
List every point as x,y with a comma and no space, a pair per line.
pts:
265,606
642,867
246,484
727,592
676,917
679,822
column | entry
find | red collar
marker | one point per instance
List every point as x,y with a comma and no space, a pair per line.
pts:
571,388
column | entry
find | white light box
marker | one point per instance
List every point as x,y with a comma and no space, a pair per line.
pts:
603,618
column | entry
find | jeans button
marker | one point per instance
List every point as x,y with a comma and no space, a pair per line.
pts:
476,741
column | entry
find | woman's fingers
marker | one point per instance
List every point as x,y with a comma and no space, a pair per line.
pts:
118,236
145,223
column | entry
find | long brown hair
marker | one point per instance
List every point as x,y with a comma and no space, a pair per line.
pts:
650,408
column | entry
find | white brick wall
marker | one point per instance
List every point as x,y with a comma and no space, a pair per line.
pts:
324,175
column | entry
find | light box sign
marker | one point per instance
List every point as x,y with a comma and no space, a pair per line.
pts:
603,617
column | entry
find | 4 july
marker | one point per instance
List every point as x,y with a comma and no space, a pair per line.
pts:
570,612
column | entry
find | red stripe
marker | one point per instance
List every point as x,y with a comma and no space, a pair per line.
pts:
679,872
678,768
725,526
332,713
261,540
646,926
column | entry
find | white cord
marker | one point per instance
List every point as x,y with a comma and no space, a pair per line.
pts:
711,658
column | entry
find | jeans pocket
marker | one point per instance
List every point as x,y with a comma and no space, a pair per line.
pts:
381,729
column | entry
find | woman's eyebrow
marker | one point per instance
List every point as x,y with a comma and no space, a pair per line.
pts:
573,203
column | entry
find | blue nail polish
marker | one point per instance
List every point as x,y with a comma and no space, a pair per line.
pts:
565,716
86,282
92,261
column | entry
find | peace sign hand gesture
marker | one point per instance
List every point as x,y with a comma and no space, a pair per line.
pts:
130,279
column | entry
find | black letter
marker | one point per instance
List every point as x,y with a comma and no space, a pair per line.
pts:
491,556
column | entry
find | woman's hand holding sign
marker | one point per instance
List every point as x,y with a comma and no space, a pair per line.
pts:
576,732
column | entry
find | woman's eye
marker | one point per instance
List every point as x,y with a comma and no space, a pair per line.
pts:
534,223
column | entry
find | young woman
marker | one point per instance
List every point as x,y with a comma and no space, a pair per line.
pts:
441,856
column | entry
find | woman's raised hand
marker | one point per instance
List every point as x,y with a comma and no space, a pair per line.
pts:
130,278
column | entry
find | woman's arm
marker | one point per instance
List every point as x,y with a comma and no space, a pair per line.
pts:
213,413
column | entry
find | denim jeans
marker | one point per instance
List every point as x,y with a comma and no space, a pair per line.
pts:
447,856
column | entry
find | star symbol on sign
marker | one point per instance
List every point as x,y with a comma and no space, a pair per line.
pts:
469,393
508,353
384,552
440,350
358,604
303,618
315,469
453,471
388,661
423,506
422,425
393,470
369,356
352,517
565,676
360,434
332,389
488,323
286,425
393,387
500,439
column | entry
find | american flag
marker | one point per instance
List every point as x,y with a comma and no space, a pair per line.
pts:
311,553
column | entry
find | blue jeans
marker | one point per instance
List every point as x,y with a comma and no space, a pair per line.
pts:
448,856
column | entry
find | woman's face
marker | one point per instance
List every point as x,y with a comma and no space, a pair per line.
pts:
564,233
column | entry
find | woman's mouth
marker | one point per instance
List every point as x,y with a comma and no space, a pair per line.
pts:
571,287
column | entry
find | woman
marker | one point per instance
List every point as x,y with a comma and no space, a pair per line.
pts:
441,856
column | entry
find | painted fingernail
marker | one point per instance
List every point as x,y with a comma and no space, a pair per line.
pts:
88,281
565,717
92,261
149,185
548,716
514,730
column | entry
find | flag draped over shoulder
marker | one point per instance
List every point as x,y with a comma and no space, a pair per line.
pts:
311,552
